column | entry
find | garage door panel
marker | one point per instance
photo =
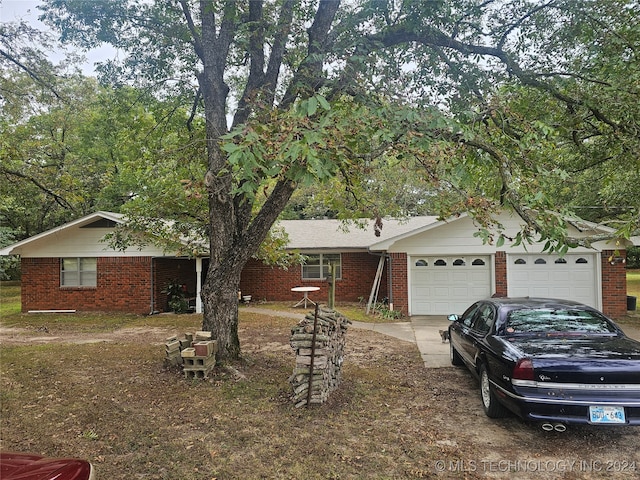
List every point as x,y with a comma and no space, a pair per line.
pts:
423,292
479,277
583,292
573,278
438,276
462,291
479,291
447,288
459,276
564,276
519,276
421,276
539,276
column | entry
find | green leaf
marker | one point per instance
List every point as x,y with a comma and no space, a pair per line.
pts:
323,102
312,106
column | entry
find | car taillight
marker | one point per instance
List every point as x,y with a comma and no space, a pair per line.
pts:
523,370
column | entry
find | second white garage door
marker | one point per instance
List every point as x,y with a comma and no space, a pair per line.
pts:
444,285
572,277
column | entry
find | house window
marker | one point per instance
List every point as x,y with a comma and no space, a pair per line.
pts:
560,260
440,263
540,261
478,262
520,261
422,263
459,262
318,266
78,272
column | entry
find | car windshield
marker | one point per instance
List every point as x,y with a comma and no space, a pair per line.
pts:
557,320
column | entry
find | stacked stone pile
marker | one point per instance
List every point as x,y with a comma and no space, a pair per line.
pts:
319,356
196,353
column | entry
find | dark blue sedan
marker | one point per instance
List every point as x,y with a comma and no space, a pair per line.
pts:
554,362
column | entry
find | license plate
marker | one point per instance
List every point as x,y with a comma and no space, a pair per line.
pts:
606,414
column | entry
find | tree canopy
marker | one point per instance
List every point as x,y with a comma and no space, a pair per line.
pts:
491,104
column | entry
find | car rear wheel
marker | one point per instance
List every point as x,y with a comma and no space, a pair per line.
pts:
454,356
492,407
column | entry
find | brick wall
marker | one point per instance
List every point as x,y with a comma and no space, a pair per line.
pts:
614,284
400,282
501,289
263,282
123,285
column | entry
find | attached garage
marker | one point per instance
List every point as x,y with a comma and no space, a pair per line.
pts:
441,285
570,277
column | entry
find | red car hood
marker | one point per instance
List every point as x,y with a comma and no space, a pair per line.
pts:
21,466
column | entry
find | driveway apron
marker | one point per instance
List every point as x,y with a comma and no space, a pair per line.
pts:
424,331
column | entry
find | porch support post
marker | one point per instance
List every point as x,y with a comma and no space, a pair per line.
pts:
198,284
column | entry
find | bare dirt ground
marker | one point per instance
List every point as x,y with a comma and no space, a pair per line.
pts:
107,397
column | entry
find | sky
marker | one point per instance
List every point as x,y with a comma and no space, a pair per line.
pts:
16,10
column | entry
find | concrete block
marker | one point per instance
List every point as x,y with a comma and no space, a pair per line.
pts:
202,335
205,348
199,362
196,373
188,352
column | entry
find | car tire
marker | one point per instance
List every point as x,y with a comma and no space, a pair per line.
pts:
454,356
492,407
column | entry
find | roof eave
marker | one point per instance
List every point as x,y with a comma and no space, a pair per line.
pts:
11,249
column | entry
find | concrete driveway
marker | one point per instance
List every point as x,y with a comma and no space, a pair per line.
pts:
421,330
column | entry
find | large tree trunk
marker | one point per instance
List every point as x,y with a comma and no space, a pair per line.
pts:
220,300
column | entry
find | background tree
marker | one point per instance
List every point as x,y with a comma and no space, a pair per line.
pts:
297,92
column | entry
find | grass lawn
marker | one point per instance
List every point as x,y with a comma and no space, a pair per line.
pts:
633,283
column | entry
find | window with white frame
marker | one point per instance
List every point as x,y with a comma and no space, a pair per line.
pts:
318,265
79,272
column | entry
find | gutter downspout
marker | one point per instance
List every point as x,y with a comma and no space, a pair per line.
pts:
390,277
198,284
151,310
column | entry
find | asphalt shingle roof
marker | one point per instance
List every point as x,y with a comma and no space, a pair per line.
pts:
335,234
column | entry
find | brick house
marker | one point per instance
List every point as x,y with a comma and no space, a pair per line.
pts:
421,266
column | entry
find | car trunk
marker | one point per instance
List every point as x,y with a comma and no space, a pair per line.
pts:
578,359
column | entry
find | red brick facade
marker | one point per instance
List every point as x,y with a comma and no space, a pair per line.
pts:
399,282
132,284
123,285
501,289
263,282
614,283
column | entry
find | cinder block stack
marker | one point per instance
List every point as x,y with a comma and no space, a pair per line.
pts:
196,353
327,356
172,352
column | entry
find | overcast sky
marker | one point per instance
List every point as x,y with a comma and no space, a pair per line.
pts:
16,10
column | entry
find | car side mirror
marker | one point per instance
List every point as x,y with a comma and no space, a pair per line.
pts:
453,317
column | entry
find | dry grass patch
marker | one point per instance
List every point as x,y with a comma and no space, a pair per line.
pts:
115,404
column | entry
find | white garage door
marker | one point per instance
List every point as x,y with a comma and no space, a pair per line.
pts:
444,285
571,277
